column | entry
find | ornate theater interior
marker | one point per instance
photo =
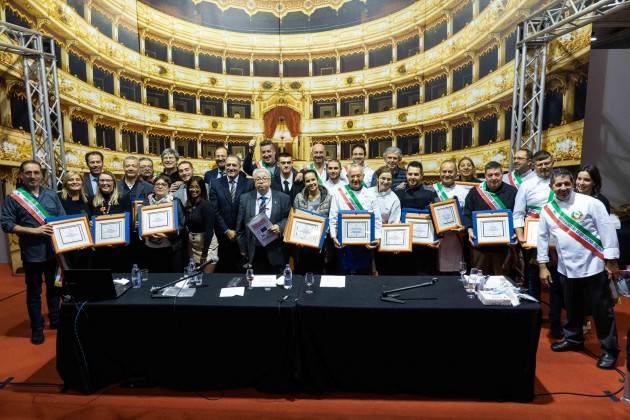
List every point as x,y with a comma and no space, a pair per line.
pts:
435,78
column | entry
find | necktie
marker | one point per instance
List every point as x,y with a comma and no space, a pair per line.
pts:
262,207
221,174
232,189
286,187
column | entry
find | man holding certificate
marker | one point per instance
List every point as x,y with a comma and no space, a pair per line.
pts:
588,250
262,217
492,194
354,196
24,213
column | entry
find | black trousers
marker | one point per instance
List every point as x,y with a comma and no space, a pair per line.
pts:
230,259
590,294
309,260
555,289
33,273
261,264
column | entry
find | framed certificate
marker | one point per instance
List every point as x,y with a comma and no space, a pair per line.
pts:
305,228
531,232
446,216
159,218
355,227
111,229
492,227
70,233
396,237
423,232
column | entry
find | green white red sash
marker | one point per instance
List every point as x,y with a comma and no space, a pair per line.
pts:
575,229
350,198
491,199
26,200
319,180
262,165
514,179
441,192
534,211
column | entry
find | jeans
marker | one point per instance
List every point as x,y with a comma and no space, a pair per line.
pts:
33,272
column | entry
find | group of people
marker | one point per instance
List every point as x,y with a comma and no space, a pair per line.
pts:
214,212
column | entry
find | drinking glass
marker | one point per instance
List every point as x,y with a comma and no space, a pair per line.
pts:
249,275
144,274
309,280
462,270
470,284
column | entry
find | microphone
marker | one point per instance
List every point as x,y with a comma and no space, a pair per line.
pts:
199,269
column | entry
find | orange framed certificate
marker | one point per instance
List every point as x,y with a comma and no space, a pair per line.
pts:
396,237
446,216
305,229
70,233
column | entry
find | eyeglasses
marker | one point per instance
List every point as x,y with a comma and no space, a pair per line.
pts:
160,184
261,179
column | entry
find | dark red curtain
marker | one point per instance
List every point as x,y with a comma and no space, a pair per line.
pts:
291,117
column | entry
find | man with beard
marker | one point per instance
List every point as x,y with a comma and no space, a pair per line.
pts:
267,155
532,195
333,174
492,194
146,170
392,157
522,163
219,158
318,154
588,250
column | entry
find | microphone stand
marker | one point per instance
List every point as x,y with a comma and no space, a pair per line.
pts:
392,294
155,290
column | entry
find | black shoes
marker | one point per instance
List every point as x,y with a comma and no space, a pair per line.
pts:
565,345
54,325
607,361
37,337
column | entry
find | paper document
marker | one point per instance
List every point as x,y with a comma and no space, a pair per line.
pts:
260,226
232,291
267,280
122,281
178,291
332,281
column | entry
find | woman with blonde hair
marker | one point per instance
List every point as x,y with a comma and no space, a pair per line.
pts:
72,195
107,200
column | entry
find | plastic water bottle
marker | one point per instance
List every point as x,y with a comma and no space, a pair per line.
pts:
288,277
190,270
136,279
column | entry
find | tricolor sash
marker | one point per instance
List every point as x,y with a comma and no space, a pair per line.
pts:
262,165
319,179
491,199
575,229
534,211
362,182
350,198
514,179
26,200
441,192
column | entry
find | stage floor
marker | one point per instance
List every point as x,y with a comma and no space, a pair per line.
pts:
565,372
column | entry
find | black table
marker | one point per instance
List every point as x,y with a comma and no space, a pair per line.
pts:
198,342
438,343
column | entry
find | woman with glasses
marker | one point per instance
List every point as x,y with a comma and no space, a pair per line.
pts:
389,204
165,250
107,200
200,217
75,202
316,199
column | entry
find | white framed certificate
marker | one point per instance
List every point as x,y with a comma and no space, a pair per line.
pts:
446,216
111,229
396,237
423,232
306,229
70,233
355,227
531,232
159,218
492,227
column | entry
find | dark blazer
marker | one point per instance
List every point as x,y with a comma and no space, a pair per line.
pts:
211,176
296,187
226,209
87,187
139,192
280,207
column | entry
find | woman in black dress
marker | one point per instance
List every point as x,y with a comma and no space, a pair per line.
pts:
75,202
108,200
200,217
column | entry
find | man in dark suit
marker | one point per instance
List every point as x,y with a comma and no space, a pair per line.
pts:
267,155
131,184
285,179
228,191
219,158
275,204
94,161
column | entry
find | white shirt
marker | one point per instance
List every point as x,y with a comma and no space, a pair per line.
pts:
533,192
455,190
320,173
334,186
94,183
368,174
367,200
389,204
527,175
574,260
267,203
289,180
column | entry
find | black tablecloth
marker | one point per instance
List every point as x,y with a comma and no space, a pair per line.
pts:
438,343
203,341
